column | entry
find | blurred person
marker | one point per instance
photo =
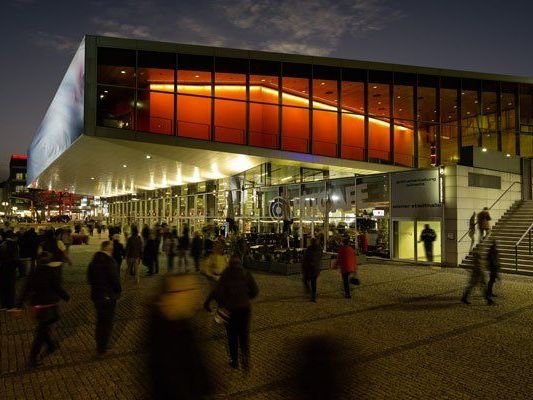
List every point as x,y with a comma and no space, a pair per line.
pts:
134,253
9,262
232,293
105,290
311,264
175,360
66,238
43,289
493,265
215,263
472,229
55,247
150,253
170,247
347,264
477,278
483,223
428,236
196,249
145,233
183,247
158,237
118,252
25,252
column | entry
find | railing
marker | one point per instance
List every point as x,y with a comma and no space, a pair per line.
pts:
493,204
528,231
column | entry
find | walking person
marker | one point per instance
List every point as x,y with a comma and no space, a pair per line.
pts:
493,265
9,262
44,290
118,252
347,264
105,290
183,246
428,236
170,247
483,223
472,230
196,250
477,278
233,292
150,253
55,247
134,252
312,261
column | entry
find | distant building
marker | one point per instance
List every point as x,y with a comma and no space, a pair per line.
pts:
14,192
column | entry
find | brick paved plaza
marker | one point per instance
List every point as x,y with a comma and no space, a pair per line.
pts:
404,334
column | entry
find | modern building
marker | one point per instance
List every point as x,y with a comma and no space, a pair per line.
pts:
197,135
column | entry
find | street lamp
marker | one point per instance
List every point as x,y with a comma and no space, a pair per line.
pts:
5,204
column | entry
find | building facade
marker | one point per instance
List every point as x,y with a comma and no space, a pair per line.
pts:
195,134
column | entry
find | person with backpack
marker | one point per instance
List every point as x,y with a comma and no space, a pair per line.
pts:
233,294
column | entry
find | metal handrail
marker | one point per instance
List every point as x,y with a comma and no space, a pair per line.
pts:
518,243
490,208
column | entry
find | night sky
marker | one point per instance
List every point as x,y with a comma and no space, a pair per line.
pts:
40,36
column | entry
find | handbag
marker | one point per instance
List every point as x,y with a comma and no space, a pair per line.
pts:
355,281
222,315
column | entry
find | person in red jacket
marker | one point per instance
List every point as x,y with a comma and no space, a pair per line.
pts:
346,263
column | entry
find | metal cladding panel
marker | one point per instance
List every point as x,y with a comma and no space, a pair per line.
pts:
63,122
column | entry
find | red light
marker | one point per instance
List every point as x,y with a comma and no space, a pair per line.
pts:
19,157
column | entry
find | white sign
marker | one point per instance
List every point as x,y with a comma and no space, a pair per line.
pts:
378,213
416,194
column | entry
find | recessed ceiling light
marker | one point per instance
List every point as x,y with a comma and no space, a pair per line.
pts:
101,96
124,166
322,83
374,87
379,102
122,72
196,76
106,91
509,104
468,112
262,80
401,109
507,155
92,178
484,149
148,156
462,93
398,97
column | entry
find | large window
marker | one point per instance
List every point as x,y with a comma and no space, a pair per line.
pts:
428,119
379,115
526,120
403,107
194,96
489,115
325,111
508,117
295,100
470,105
264,103
449,117
230,100
353,120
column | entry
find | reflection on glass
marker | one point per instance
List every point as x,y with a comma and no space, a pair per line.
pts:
155,68
379,139
114,107
508,117
403,143
155,112
427,150
116,67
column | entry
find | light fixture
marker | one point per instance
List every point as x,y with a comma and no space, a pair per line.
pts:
101,96
322,83
374,87
106,91
484,149
148,156
398,97
124,166
196,76
509,104
262,80
122,72
507,155
92,178
401,109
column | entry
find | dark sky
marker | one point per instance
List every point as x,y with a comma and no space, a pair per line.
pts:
40,36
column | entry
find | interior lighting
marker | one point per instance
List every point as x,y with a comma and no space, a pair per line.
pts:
398,97
106,91
262,80
507,155
334,197
484,149
374,87
101,96
322,83
509,104
122,72
124,166
148,156
92,178
196,76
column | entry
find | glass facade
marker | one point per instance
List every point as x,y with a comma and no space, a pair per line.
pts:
406,119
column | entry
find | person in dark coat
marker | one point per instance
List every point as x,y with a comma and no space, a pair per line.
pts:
196,250
493,265
9,261
428,236
477,278
311,264
105,290
43,289
134,253
233,292
118,252
150,253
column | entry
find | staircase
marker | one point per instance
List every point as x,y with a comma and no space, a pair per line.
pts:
507,231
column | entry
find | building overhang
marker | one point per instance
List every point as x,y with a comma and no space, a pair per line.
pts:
116,162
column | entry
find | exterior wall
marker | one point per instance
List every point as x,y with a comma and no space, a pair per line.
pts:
461,200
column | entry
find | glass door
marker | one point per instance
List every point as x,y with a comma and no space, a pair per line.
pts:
427,250
403,232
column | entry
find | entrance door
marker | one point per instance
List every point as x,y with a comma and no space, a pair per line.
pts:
403,232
